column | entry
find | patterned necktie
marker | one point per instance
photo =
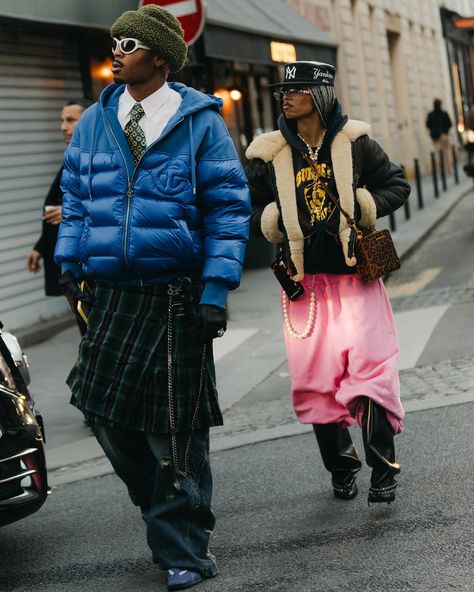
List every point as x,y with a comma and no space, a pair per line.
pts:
134,133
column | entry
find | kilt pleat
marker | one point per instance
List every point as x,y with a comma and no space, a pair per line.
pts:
121,376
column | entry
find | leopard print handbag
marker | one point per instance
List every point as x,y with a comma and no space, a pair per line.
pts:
375,253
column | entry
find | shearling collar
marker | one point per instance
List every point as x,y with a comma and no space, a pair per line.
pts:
266,146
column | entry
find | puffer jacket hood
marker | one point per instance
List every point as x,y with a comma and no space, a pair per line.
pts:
193,100
183,209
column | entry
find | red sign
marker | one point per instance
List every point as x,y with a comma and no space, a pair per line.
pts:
190,14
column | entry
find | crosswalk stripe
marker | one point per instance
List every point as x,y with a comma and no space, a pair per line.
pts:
414,286
415,328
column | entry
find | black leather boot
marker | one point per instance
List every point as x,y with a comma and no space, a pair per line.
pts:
340,458
380,454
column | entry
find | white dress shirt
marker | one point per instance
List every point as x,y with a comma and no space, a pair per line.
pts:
159,107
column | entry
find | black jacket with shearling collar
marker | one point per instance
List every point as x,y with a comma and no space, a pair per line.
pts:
363,175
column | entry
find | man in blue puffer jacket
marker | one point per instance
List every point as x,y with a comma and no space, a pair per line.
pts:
155,213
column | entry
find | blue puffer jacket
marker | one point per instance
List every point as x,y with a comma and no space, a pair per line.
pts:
184,208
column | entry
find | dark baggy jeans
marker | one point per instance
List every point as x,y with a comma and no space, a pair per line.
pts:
177,509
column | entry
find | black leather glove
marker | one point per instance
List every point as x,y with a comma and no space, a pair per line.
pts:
212,320
70,286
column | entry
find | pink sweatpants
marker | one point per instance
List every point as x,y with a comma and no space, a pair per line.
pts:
351,352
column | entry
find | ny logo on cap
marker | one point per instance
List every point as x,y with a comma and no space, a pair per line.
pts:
290,72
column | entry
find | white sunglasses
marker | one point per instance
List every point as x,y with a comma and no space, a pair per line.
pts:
127,45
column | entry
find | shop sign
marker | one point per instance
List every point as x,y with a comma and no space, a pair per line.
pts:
282,52
190,14
464,23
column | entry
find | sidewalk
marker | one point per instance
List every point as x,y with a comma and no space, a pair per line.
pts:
250,363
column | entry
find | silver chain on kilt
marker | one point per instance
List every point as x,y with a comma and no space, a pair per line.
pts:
172,292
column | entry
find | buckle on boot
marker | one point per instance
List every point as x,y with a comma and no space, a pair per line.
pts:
380,495
345,490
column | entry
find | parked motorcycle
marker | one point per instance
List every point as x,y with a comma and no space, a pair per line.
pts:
23,476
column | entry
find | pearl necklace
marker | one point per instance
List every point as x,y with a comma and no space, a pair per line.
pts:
309,323
313,154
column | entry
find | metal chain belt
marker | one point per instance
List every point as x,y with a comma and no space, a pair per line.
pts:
174,291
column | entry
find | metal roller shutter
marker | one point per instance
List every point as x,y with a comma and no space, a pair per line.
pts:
38,74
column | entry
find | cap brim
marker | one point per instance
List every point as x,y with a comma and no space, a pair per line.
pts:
289,83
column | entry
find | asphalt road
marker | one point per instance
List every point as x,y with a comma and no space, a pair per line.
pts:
278,529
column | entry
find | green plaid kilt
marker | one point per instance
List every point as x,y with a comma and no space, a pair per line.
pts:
121,376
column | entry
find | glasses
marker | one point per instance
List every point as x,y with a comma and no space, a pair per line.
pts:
290,92
127,45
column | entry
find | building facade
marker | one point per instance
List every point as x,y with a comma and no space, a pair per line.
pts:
393,61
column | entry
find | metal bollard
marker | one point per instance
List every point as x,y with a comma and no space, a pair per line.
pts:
391,218
442,170
419,191
406,205
455,165
435,174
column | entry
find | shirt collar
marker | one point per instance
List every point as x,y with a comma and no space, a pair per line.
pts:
151,104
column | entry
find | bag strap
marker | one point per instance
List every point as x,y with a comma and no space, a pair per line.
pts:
350,220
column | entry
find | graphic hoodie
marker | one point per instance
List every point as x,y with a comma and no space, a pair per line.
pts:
323,252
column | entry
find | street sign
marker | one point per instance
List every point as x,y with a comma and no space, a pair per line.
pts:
190,14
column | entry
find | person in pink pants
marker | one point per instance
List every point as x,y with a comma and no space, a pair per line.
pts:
340,333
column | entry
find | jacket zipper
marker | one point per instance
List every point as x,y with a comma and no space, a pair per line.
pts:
129,193
130,183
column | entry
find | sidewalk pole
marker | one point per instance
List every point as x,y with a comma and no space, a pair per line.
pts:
393,224
455,165
406,205
418,184
435,174
442,170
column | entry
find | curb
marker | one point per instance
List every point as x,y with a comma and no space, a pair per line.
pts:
100,466
43,330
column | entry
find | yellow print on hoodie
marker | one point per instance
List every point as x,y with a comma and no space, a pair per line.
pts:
314,189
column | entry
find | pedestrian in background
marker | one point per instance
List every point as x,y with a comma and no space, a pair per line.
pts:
155,211
439,123
45,245
340,333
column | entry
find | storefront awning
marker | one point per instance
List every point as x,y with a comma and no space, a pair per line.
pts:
243,31
238,30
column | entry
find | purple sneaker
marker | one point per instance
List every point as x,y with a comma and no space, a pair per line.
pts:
179,579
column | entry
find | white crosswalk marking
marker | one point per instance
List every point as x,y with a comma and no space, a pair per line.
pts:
419,283
415,328
232,339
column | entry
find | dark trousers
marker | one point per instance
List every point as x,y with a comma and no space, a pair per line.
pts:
177,509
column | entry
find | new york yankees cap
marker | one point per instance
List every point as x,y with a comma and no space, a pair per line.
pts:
307,74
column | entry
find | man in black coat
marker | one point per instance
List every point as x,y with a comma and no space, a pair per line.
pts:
44,247
439,123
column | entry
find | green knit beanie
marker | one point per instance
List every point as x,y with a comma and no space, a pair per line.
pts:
156,28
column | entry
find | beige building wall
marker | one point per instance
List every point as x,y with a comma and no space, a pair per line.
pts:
392,64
